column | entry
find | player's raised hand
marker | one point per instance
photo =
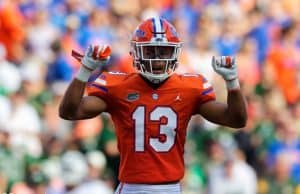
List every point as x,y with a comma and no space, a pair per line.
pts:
226,67
93,58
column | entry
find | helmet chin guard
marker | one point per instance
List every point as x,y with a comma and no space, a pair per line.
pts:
155,47
157,78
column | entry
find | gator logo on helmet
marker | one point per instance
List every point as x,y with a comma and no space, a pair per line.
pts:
139,33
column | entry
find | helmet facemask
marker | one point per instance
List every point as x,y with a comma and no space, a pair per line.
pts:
155,60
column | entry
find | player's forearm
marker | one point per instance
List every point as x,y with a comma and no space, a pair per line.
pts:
237,109
71,100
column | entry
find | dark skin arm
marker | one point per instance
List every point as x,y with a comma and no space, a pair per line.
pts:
75,107
233,114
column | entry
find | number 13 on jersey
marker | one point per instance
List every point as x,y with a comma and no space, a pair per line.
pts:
167,129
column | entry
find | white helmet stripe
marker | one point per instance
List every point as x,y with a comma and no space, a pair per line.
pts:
157,24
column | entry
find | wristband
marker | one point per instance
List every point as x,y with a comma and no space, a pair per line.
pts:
83,74
233,84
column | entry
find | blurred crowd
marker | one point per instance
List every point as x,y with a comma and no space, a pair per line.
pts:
41,153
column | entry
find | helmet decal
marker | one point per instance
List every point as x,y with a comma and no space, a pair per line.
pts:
139,33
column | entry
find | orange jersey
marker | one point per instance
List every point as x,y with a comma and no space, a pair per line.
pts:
151,122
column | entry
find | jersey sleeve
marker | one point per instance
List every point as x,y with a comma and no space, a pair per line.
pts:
98,85
206,91
198,85
107,86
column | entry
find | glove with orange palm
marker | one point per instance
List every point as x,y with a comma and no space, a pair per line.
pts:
93,58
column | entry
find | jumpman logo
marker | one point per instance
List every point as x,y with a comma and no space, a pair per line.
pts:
178,98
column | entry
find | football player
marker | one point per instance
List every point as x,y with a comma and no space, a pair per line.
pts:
152,107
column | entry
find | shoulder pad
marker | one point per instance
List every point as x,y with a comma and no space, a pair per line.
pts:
107,78
194,80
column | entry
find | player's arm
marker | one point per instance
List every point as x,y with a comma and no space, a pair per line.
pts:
234,113
73,105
